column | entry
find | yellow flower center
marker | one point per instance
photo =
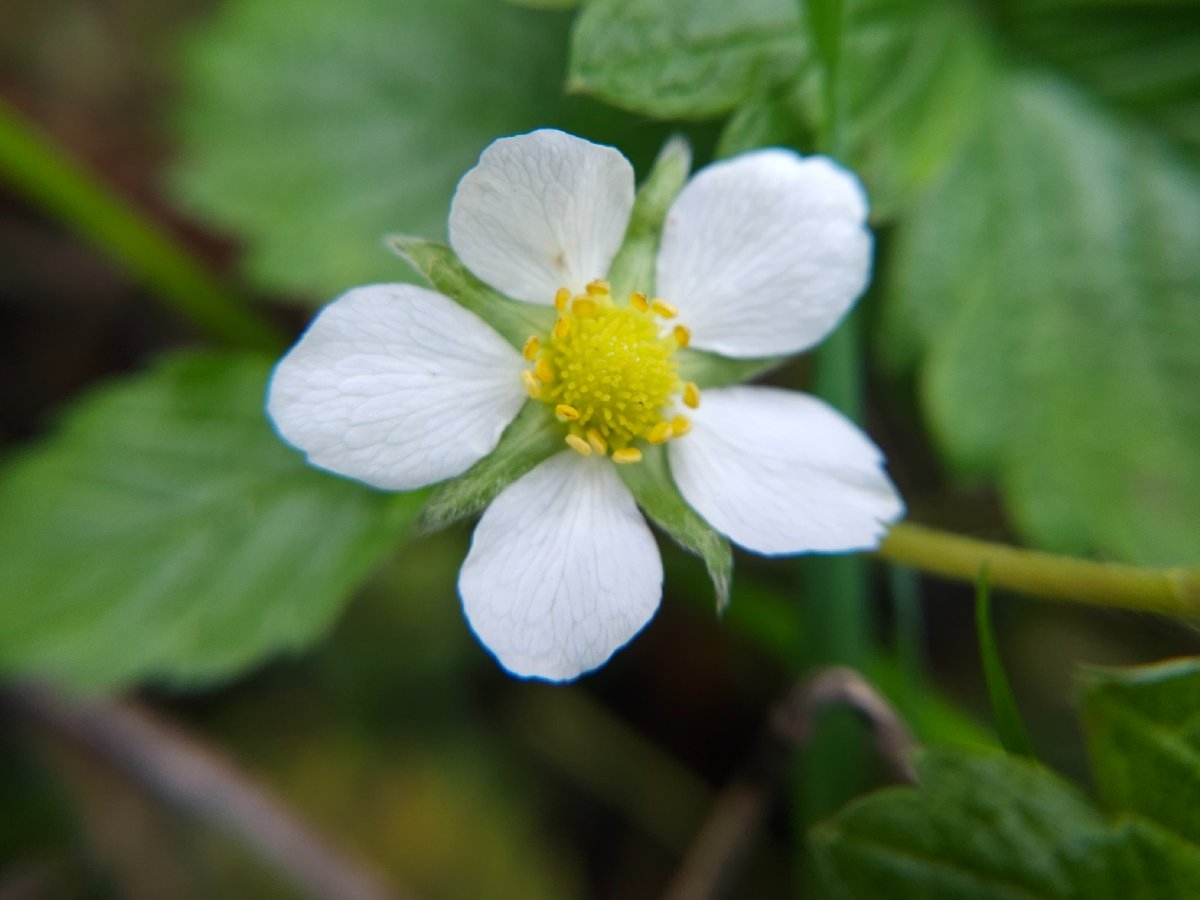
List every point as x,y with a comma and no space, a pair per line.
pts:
609,371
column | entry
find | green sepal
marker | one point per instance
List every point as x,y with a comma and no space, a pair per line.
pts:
530,438
654,490
633,267
513,320
712,370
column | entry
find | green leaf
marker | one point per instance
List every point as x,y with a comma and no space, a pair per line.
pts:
910,74
1010,727
983,825
165,532
1140,57
311,129
530,438
1143,728
515,321
655,492
976,828
684,60
633,268
1050,282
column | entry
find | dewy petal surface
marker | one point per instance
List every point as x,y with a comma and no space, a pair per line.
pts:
764,254
541,211
782,472
396,386
562,570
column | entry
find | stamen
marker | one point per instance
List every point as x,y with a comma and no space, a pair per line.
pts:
565,413
598,288
681,425
562,328
639,301
663,308
584,307
544,371
683,337
660,433
691,395
596,439
561,297
627,455
531,348
532,386
579,445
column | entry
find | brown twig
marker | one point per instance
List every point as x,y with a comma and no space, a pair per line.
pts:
741,806
188,774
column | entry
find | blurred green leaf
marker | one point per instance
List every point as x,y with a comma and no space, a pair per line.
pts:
312,129
1141,56
165,532
1143,728
1050,280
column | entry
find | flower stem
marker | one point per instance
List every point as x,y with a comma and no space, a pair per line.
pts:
36,166
1172,591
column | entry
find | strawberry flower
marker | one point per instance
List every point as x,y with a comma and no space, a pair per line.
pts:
401,387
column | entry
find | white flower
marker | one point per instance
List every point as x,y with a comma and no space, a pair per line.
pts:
399,387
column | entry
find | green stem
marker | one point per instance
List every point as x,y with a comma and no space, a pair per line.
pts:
39,168
1173,591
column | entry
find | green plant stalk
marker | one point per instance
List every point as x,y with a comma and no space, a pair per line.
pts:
1171,591
39,168
836,616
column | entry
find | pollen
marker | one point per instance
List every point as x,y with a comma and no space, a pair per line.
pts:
608,371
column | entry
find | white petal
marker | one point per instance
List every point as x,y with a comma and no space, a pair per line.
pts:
562,570
396,386
542,211
764,254
782,472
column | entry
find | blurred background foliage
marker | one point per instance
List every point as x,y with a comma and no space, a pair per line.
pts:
1029,361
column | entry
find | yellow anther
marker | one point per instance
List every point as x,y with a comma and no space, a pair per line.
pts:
544,371
683,337
532,386
680,425
565,413
561,298
596,439
598,288
660,433
627,455
639,301
531,348
579,445
691,395
562,328
584,307
663,308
